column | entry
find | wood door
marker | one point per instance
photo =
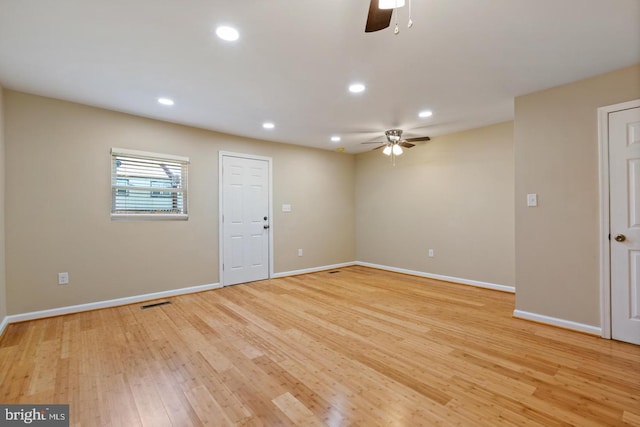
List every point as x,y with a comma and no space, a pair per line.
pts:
245,221
624,172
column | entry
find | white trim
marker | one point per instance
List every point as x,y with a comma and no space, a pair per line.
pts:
108,303
3,325
157,156
312,270
554,321
476,283
605,225
222,154
149,217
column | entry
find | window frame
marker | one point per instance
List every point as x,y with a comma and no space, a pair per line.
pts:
151,215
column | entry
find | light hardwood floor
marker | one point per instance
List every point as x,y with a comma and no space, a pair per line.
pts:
358,347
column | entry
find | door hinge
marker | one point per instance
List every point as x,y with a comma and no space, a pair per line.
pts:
609,236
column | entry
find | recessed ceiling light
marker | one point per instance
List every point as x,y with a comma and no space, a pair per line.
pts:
229,34
390,4
425,113
268,125
165,101
335,138
356,88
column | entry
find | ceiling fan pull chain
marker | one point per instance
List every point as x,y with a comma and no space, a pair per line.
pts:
410,23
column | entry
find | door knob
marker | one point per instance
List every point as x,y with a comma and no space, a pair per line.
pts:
620,238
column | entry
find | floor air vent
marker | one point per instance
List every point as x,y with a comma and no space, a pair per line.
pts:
155,304
334,272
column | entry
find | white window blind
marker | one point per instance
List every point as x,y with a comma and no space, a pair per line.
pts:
148,185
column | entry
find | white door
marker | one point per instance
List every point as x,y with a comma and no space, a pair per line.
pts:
624,172
245,219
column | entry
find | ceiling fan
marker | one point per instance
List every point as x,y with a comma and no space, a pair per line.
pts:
380,12
394,143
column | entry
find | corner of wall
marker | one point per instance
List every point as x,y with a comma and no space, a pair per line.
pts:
455,188
3,287
556,157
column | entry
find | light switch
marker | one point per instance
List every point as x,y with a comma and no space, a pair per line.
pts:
286,208
63,278
532,200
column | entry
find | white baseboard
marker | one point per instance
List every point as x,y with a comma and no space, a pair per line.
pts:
311,270
165,294
476,283
106,304
3,325
561,323
139,298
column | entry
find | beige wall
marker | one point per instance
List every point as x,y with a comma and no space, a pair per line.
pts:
556,152
58,204
453,194
3,292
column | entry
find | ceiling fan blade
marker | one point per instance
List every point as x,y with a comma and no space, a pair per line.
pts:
377,148
373,142
378,19
406,144
421,138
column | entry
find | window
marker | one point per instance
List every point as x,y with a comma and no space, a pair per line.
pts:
148,185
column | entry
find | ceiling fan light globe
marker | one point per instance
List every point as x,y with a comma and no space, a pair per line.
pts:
397,150
387,150
390,4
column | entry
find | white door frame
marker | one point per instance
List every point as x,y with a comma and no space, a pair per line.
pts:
605,223
222,154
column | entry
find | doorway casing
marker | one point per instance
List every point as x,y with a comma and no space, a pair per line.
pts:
221,155
605,226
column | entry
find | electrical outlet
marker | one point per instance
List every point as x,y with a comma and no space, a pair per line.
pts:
63,278
299,252
431,254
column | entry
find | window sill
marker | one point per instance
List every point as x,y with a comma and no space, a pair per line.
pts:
149,217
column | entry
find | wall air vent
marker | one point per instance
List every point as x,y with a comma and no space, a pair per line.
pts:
155,304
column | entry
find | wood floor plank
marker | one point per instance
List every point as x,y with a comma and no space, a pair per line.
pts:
295,410
208,410
360,347
631,418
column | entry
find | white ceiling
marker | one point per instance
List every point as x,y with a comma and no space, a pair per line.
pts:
465,60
